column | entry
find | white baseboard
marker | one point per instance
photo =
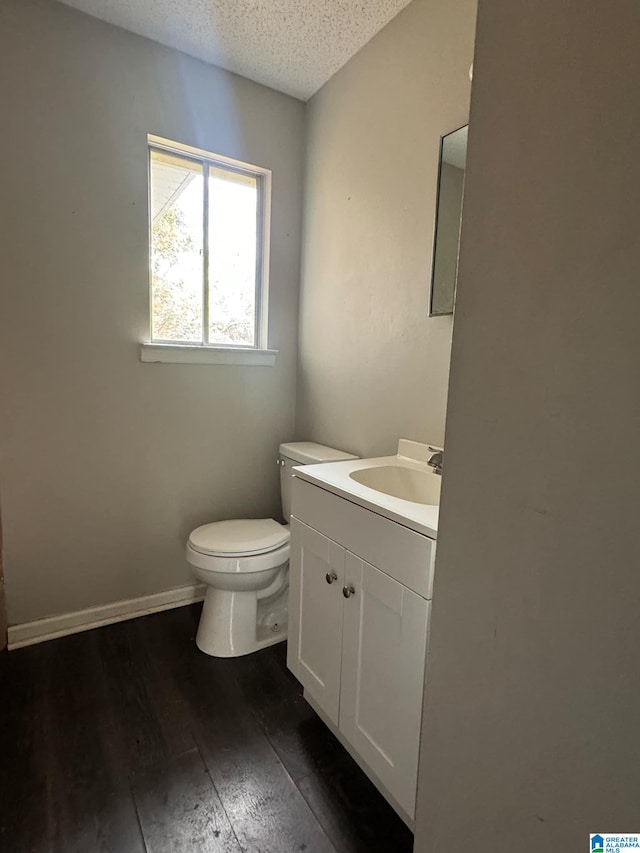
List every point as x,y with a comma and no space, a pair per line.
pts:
51,627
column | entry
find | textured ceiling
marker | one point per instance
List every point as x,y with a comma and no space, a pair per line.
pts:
291,45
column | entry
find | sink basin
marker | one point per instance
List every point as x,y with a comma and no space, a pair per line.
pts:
409,484
401,488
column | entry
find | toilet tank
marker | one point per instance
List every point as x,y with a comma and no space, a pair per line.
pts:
302,453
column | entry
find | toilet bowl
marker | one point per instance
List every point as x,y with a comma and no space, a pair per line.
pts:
245,566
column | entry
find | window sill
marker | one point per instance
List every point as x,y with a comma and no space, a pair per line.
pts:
185,354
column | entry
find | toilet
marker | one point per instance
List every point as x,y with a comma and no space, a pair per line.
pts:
245,565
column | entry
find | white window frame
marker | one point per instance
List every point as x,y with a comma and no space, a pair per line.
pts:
204,352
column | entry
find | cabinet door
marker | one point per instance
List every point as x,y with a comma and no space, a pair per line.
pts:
383,659
315,615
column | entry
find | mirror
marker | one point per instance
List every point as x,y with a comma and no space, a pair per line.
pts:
446,241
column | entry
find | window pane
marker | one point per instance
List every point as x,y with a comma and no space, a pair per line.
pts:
177,205
233,206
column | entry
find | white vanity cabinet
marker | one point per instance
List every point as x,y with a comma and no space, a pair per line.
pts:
358,635
383,658
315,591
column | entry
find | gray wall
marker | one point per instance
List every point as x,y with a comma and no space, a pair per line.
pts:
107,463
3,603
373,367
531,728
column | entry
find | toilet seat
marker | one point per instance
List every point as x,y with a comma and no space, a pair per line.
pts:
239,538
238,565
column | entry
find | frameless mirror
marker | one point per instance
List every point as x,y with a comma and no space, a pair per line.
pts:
453,158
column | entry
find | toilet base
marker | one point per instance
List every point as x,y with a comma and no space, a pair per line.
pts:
233,624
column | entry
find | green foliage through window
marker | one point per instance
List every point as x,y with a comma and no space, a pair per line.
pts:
205,251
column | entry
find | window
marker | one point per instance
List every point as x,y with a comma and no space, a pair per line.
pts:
209,225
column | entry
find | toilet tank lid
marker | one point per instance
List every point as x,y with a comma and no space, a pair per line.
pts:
307,452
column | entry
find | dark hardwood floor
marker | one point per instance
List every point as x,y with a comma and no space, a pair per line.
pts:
127,739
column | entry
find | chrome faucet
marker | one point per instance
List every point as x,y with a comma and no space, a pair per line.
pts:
437,460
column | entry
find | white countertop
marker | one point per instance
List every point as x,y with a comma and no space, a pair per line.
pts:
334,477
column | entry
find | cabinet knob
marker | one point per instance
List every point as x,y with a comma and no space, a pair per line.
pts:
348,591
330,577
